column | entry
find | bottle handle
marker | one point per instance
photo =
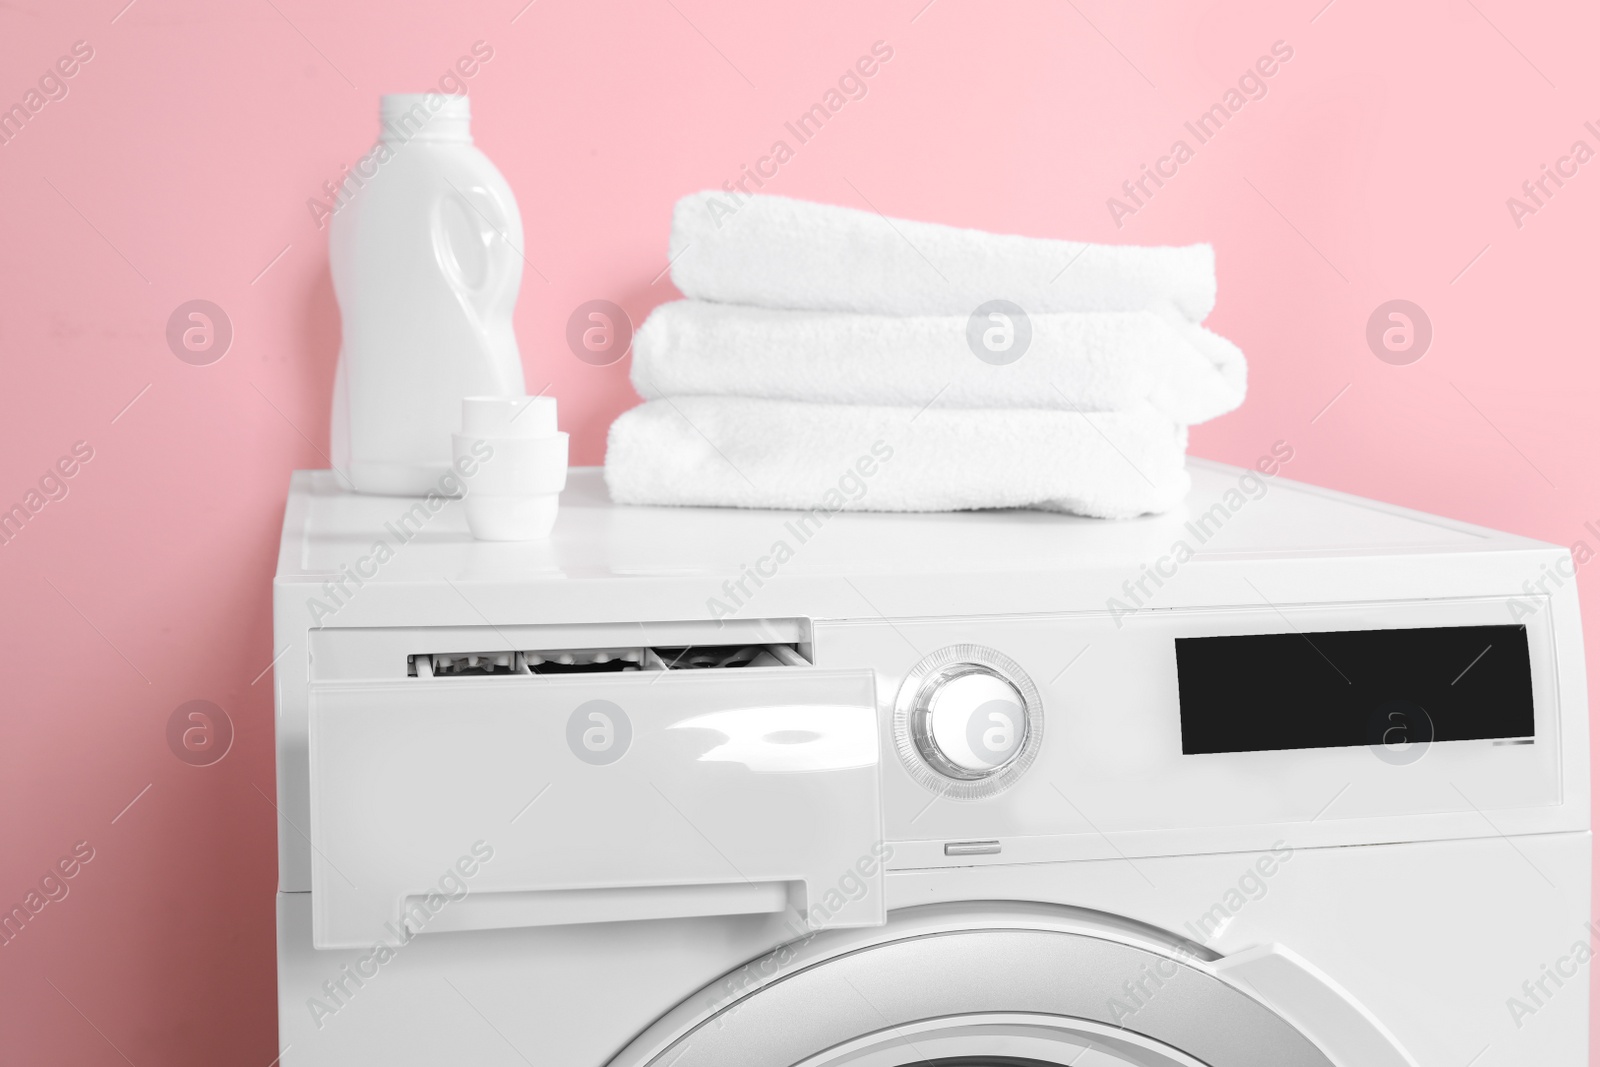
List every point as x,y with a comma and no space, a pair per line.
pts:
472,242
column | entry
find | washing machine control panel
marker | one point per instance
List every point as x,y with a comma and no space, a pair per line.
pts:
1037,738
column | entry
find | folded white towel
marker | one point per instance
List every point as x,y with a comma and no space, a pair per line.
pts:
777,252
738,452
1087,361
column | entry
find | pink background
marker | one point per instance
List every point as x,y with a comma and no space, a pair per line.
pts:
179,167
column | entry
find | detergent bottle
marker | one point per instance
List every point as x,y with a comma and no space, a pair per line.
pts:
425,248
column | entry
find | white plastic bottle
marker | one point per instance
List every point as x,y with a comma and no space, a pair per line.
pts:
425,247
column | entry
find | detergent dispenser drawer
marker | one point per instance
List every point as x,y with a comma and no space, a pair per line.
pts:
441,805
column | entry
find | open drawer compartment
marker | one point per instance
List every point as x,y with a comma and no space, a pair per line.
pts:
543,800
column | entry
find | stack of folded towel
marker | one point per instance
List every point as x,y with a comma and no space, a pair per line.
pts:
827,354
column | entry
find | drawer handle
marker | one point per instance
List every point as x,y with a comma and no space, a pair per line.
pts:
483,910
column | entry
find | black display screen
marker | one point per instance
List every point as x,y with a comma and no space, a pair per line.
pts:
1342,688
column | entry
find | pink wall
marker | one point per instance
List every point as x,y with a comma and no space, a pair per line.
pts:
179,164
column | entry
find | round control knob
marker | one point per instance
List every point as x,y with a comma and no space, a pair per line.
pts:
969,721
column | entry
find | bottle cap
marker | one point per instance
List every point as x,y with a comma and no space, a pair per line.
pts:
508,416
408,117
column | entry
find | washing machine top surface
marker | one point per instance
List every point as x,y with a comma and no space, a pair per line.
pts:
979,561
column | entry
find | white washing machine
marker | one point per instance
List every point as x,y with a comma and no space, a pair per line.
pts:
1285,778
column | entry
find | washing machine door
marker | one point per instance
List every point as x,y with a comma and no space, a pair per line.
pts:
993,985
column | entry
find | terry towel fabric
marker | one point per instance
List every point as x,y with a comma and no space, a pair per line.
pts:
740,452
783,253
1095,361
